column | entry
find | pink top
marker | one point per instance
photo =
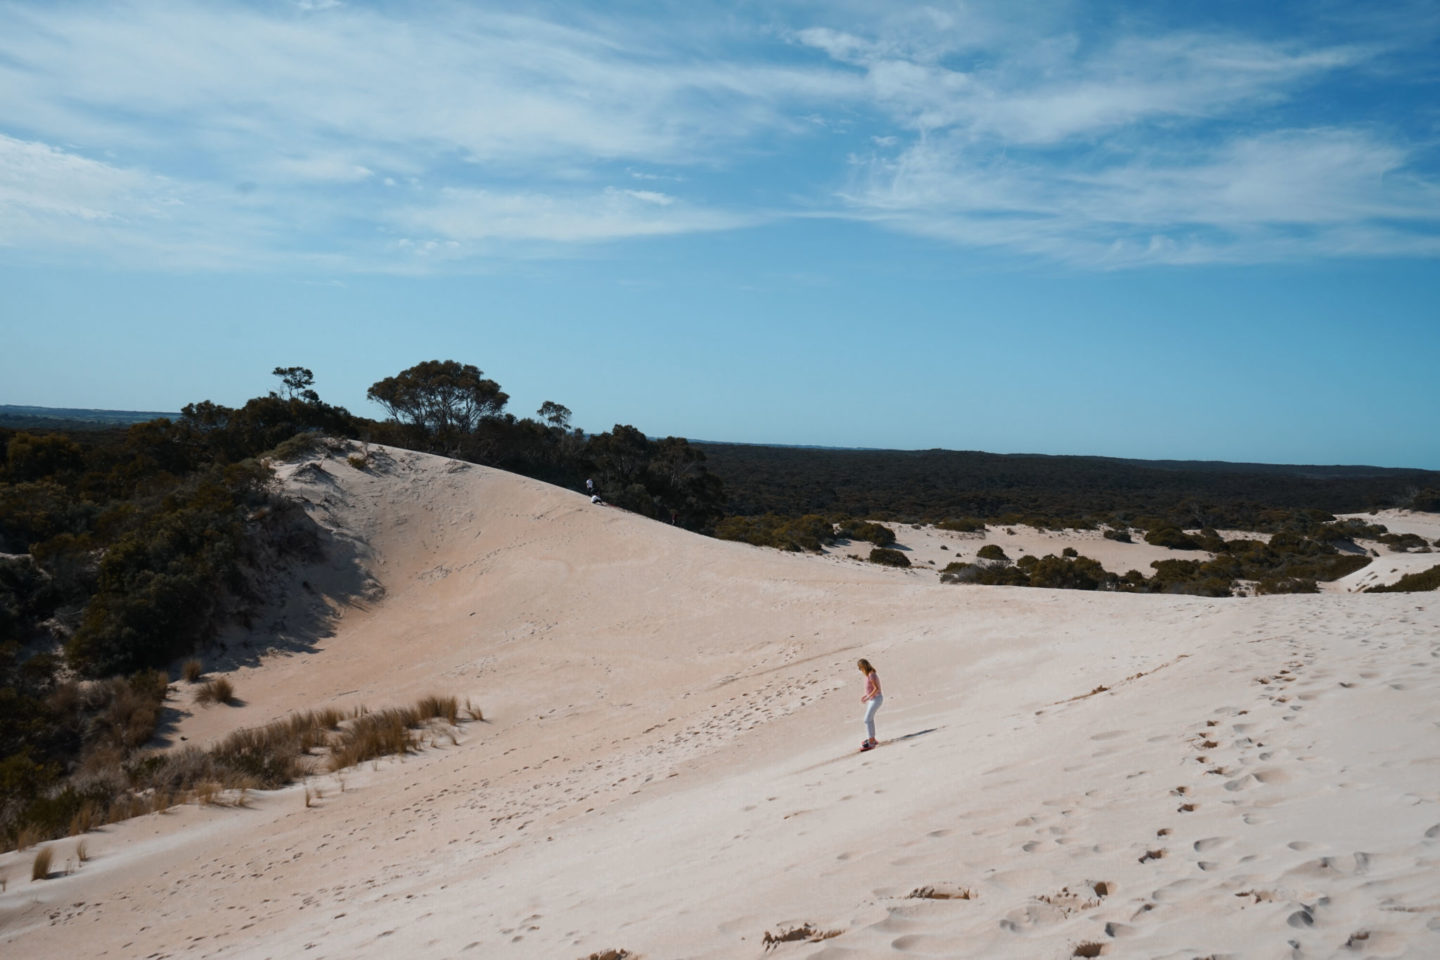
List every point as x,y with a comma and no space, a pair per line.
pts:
872,685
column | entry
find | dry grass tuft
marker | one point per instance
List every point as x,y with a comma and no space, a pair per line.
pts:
432,706
120,783
374,735
192,670
218,690
28,837
473,709
803,932
82,853
40,869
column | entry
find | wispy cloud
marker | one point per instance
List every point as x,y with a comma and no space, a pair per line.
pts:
246,134
1282,195
480,218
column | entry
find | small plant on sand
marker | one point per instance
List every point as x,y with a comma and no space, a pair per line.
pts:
82,853
192,670
40,868
432,706
218,690
938,893
473,709
611,955
890,558
991,551
803,932
27,837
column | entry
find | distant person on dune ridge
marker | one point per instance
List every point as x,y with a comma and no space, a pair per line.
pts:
872,698
590,486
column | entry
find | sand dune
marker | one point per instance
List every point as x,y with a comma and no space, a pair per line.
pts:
668,761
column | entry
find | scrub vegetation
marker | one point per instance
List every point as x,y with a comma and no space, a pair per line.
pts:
125,548
1294,560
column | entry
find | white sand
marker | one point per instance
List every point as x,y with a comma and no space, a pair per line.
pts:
668,763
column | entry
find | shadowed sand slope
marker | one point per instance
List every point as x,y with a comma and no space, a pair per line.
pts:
668,761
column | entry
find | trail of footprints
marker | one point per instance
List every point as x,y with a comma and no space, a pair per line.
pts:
1230,762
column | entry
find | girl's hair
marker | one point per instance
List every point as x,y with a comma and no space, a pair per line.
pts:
865,667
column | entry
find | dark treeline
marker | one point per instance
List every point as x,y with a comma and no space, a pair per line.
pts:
124,550
936,485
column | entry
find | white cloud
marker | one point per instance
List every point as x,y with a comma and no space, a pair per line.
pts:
651,196
240,134
486,216
1283,195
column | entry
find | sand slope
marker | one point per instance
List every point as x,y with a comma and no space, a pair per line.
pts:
668,765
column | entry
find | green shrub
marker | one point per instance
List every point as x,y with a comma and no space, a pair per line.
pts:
876,533
1122,536
1412,582
888,557
1172,537
1404,542
992,551
1070,552
1062,573
963,525
810,532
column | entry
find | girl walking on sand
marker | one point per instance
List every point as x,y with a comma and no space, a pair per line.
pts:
872,699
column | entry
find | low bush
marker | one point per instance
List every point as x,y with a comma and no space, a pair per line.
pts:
1404,542
888,557
298,447
1412,582
963,525
992,551
876,533
1172,537
218,690
811,532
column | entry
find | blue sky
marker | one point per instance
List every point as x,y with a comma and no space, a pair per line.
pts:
1206,231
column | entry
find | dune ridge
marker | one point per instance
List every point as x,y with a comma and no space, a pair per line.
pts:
668,761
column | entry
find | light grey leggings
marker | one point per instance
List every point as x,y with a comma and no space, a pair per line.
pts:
870,707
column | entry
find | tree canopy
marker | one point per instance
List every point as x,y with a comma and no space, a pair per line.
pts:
444,400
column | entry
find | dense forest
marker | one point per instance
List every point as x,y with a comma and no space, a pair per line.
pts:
915,486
